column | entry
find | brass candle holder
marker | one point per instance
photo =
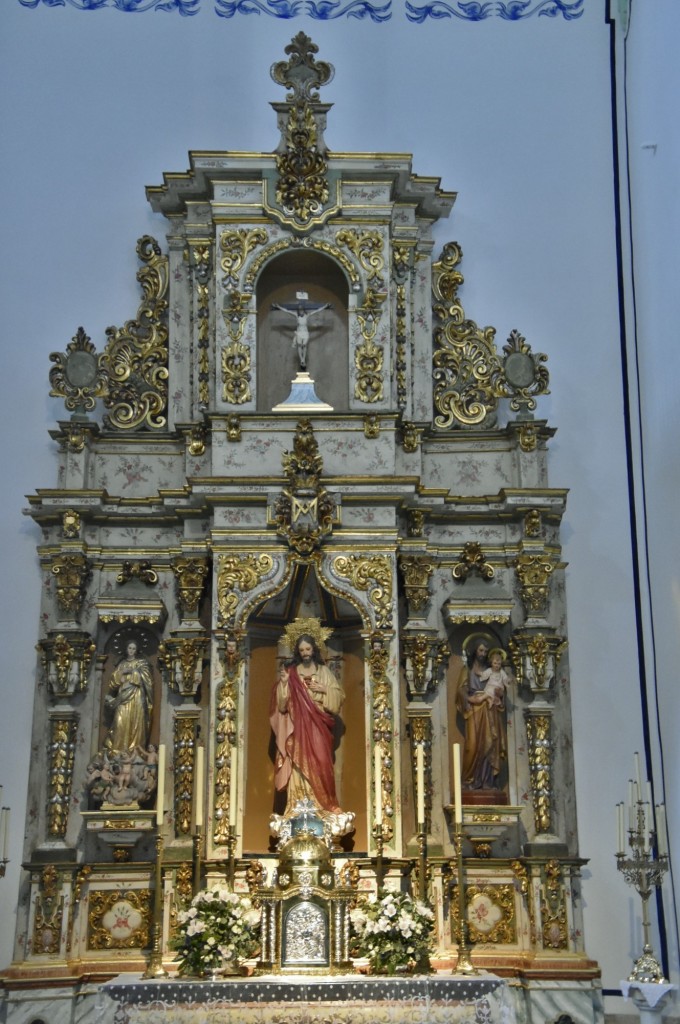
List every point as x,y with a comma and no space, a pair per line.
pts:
231,858
196,859
422,847
379,847
464,965
155,968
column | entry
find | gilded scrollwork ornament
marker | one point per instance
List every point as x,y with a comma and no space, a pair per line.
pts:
70,524
237,574
415,523
539,736
197,440
410,437
135,359
77,376
72,571
401,324
383,725
232,658
554,907
235,247
119,919
62,745
472,560
372,574
371,426
184,753
302,187
469,375
49,913
142,571
491,914
304,512
368,247
191,573
236,358
369,356
200,260
233,428
533,523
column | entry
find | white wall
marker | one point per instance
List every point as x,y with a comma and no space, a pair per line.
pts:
515,116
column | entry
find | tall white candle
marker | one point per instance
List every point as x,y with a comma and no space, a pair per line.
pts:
4,831
620,825
661,844
198,787
638,776
377,771
233,787
420,783
632,812
457,792
160,790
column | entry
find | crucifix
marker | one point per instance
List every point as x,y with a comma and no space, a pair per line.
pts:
302,309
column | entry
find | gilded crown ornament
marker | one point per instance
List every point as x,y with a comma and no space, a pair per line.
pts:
302,626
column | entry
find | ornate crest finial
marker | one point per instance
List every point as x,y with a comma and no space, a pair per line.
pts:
301,73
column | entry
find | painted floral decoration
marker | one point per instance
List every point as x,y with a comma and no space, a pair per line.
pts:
220,927
394,932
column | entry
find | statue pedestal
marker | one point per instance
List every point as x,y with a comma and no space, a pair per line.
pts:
651,998
302,397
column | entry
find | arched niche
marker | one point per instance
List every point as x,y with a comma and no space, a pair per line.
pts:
323,281
304,596
460,637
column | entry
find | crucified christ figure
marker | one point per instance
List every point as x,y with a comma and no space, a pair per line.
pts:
302,310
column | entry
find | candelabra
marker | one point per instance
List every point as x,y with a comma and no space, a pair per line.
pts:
642,869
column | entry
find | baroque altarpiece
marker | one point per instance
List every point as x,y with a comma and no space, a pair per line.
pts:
301,425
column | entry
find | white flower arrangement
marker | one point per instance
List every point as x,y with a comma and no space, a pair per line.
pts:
394,932
219,927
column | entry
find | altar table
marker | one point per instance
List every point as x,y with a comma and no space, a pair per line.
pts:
344,999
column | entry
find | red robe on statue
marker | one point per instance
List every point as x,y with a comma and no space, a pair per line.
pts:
304,739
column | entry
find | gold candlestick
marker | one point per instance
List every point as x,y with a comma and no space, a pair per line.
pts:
197,849
422,844
464,965
231,847
379,846
155,968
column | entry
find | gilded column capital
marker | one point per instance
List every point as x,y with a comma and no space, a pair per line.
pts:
423,654
72,572
416,572
191,573
66,660
534,571
535,657
181,660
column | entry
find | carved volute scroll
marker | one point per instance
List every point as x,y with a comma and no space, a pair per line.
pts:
468,372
